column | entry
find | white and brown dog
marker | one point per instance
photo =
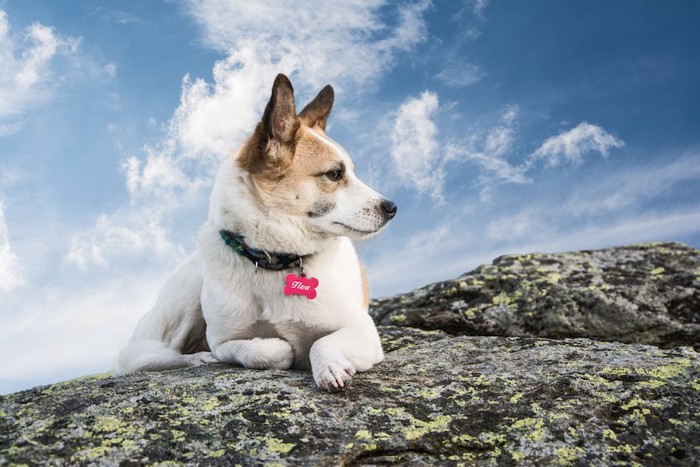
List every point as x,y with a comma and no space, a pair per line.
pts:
275,282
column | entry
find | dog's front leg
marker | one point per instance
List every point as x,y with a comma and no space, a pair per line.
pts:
336,357
263,354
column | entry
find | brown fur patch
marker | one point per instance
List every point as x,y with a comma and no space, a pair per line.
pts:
279,182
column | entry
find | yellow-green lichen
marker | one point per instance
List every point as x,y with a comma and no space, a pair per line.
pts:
567,455
420,428
277,445
218,453
210,404
398,319
428,393
553,277
533,426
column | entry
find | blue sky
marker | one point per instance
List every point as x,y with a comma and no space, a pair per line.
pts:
497,127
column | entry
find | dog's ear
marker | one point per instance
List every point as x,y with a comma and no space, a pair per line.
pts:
280,117
316,113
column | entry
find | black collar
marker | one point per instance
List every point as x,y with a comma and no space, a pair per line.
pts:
261,258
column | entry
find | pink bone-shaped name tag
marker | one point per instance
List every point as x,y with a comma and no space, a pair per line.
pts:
300,285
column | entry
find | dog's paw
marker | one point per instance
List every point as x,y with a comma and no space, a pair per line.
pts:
267,354
333,376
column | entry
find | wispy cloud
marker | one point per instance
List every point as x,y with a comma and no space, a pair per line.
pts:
118,17
422,160
26,72
490,150
633,186
10,270
460,74
493,151
570,146
415,151
471,10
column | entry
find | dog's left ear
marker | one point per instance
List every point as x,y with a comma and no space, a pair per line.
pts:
316,113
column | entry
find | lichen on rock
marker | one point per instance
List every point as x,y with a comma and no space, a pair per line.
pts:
646,293
447,400
439,398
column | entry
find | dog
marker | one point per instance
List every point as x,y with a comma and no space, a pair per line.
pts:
275,282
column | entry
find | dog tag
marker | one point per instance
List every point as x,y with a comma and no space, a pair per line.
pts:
300,285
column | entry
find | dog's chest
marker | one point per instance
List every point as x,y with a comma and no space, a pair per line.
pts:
300,336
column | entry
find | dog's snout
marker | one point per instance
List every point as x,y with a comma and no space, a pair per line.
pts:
388,208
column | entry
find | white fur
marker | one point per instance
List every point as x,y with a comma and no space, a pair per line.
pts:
332,333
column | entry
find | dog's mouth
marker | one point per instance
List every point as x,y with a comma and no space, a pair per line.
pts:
357,231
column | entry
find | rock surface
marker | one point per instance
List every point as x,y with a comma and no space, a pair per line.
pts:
641,293
437,399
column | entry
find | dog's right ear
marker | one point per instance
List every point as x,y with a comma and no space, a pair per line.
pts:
280,117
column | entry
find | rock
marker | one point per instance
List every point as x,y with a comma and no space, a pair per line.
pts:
435,400
641,293
441,397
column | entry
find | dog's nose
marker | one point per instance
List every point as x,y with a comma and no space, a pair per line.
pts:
388,208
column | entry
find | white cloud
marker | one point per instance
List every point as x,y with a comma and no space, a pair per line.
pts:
494,151
421,161
124,233
339,42
415,151
347,44
10,270
571,145
26,73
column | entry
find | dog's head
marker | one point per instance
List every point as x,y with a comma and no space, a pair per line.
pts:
297,170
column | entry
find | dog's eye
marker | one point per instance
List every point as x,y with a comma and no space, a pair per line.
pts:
334,175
